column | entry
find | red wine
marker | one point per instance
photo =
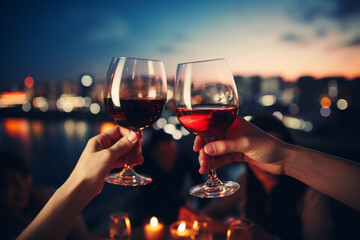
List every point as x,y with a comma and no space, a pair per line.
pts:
134,113
207,120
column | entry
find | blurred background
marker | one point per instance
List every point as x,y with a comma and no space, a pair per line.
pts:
298,60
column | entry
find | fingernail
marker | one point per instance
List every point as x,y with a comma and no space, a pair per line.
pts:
209,149
132,136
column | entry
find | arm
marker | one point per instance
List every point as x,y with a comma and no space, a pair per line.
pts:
333,176
102,152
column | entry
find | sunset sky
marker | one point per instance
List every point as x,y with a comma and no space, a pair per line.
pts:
53,40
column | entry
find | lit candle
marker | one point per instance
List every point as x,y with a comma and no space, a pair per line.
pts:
154,230
181,230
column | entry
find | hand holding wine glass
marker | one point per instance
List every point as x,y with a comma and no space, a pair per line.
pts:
135,94
206,102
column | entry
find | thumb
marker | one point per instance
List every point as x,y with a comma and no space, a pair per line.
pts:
217,148
125,144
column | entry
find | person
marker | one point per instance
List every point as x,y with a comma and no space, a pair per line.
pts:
102,153
333,176
20,202
328,174
278,204
170,169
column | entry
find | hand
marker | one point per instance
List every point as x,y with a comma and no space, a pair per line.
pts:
243,141
105,152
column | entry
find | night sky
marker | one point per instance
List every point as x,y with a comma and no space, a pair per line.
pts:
61,40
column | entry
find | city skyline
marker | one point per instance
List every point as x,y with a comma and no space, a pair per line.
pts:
57,41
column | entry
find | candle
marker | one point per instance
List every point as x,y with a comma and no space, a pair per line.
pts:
154,230
181,230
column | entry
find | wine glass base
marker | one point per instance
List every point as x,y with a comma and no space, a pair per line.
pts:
222,190
127,178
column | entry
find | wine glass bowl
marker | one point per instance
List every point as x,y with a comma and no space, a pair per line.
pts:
206,102
135,95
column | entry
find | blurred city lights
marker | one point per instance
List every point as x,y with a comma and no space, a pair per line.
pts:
95,108
184,131
177,134
297,124
88,102
325,111
333,88
293,109
173,120
169,128
325,102
268,100
86,80
248,118
342,104
41,103
106,126
278,115
67,107
8,99
170,94
29,82
159,124
26,107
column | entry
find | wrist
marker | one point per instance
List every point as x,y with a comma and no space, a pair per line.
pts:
81,188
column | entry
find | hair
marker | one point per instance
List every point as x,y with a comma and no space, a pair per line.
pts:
11,161
282,218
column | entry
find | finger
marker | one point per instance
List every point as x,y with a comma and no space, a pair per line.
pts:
198,143
108,138
217,148
205,162
125,144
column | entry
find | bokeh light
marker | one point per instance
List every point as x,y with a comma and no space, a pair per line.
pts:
86,80
95,108
325,112
29,82
342,104
106,126
325,102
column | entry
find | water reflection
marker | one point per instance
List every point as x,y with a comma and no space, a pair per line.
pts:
17,128
53,147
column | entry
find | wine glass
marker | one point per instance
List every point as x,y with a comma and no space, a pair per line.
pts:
120,228
207,103
240,229
135,95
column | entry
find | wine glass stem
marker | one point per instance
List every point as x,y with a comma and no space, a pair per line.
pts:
213,180
127,168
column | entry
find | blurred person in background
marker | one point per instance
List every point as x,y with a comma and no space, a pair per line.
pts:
281,206
171,170
20,202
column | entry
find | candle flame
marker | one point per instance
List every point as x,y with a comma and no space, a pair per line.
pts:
182,227
154,222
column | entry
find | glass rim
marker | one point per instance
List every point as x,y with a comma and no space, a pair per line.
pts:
136,58
202,61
